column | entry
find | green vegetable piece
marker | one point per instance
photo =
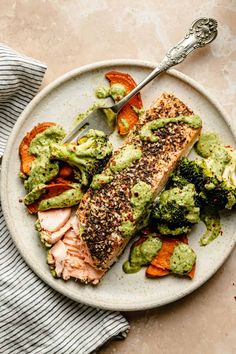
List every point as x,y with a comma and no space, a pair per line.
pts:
127,155
40,145
35,194
42,171
218,161
213,192
88,157
182,259
68,198
177,209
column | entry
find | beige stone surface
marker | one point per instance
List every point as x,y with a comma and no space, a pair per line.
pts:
69,33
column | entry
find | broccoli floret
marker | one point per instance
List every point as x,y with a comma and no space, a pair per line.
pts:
89,156
176,180
177,210
213,192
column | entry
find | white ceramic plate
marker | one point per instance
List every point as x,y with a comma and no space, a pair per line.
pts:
60,102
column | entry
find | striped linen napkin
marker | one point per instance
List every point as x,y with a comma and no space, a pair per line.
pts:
33,317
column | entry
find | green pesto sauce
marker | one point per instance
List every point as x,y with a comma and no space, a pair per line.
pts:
127,228
42,171
81,116
124,123
146,132
206,144
218,160
41,143
166,230
141,198
35,194
127,155
142,254
217,156
139,112
116,91
182,259
213,227
100,180
111,117
68,198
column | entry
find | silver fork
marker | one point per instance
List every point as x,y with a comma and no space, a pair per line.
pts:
202,32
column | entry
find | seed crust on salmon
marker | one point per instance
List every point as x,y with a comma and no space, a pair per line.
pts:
102,211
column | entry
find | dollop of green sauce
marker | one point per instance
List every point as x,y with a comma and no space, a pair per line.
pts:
116,91
127,228
206,144
35,194
66,199
142,254
182,259
217,156
141,198
40,145
81,116
42,169
146,132
213,226
127,155
101,179
139,112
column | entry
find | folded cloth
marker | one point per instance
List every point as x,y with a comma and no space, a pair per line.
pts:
33,317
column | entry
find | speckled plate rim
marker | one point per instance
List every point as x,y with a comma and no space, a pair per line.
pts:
40,96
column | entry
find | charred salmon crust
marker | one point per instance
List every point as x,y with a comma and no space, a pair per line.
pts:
102,211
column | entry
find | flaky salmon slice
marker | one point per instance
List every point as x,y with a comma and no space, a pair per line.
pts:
70,258
101,212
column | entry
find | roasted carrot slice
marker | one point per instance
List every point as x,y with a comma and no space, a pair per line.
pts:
192,272
26,158
160,265
156,272
66,171
117,77
127,117
162,259
52,190
60,180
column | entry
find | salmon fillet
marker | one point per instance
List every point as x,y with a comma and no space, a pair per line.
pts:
102,211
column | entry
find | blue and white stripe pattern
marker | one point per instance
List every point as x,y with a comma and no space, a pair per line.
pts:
33,317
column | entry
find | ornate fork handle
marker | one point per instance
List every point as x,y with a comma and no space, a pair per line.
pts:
202,32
